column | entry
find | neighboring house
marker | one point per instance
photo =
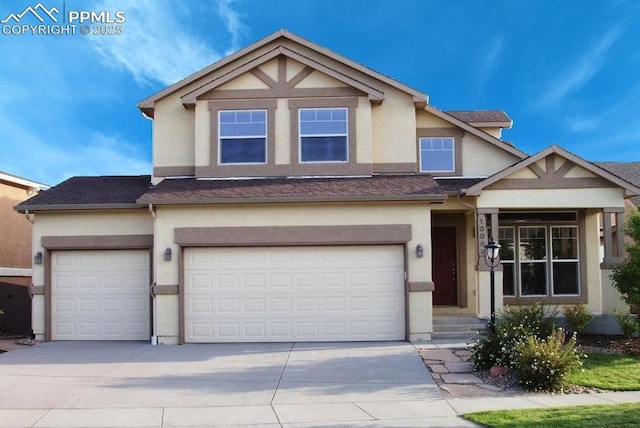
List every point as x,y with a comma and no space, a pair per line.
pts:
299,196
15,254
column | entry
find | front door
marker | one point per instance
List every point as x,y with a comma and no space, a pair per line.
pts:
445,272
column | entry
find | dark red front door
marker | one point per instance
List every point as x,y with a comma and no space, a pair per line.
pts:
445,273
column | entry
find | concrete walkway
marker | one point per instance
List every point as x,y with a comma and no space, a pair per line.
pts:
110,384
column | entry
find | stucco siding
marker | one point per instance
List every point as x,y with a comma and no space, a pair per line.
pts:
480,158
15,230
394,129
552,198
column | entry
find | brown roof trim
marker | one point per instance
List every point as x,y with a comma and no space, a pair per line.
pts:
483,118
190,98
437,199
147,105
74,207
475,131
631,190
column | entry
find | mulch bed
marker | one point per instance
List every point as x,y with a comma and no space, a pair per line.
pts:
609,344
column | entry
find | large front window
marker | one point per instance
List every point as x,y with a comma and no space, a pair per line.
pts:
540,260
242,136
323,135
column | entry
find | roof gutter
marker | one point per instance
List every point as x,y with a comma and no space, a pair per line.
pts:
436,199
75,207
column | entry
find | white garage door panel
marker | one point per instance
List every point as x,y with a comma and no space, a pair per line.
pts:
100,295
294,293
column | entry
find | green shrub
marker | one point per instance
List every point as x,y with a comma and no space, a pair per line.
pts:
629,324
543,364
512,325
626,277
577,317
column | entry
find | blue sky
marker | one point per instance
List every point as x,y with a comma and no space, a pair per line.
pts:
567,72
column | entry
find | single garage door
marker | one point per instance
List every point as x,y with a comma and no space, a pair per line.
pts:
280,294
100,295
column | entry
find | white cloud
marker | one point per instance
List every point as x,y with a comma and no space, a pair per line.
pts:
45,159
490,60
157,45
583,70
233,22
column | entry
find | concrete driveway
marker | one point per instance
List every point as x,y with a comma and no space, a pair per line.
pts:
111,384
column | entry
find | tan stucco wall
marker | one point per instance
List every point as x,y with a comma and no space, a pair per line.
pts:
425,119
173,133
552,198
202,134
592,260
480,158
394,129
321,214
244,81
15,229
319,80
283,133
495,132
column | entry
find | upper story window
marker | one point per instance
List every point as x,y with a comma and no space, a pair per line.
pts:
242,136
437,154
323,135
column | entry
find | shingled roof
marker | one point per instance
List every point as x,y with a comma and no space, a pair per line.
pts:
482,117
629,171
90,193
384,187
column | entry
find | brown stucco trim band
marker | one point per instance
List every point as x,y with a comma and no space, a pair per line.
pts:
174,171
292,235
164,290
394,168
36,290
421,286
97,242
549,183
76,207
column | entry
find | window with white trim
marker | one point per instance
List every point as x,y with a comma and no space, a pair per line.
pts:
541,260
532,253
565,269
323,134
508,243
242,136
437,154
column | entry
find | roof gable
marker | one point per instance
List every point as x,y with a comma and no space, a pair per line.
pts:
552,168
284,43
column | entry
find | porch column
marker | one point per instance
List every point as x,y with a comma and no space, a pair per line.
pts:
613,249
483,293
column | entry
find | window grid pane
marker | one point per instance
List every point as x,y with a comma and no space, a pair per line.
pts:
437,154
323,135
532,251
242,136
506,239
565,260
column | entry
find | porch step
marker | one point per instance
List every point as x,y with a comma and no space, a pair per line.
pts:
447,327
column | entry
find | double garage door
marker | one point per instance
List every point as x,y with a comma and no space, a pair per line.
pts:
280,294
244,294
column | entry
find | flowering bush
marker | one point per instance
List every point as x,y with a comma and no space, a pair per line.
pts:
577,317
543,364
513,324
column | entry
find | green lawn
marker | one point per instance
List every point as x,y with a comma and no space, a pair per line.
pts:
620,415
609,371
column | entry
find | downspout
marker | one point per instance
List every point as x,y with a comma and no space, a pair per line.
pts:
29,219
154,305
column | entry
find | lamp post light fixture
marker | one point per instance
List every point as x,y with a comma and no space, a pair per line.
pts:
492,257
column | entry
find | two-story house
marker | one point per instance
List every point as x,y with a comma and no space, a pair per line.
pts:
299,196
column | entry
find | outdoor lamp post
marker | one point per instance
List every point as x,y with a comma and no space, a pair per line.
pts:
492,257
